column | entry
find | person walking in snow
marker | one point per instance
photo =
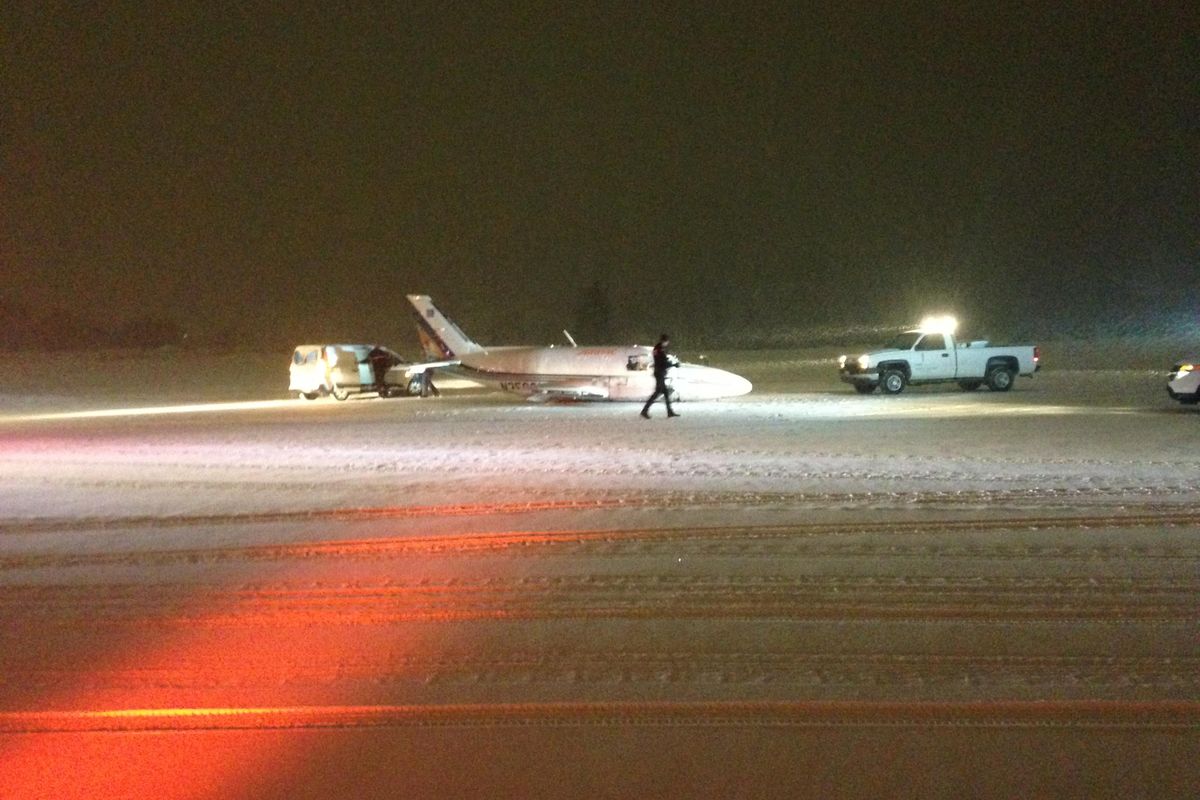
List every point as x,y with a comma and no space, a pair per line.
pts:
663,361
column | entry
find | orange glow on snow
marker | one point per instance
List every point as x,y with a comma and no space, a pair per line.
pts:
211,645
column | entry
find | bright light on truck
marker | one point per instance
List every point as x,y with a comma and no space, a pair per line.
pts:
944,324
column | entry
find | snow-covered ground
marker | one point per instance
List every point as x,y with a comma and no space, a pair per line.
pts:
801,592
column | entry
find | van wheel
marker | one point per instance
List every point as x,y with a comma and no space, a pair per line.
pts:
892,381
1000,379
310,395
414,387
339,393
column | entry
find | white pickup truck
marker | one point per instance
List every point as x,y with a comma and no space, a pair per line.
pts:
934,356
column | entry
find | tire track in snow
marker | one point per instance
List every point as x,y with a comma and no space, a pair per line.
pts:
992,600
1178,715
698,668
737,539
669,500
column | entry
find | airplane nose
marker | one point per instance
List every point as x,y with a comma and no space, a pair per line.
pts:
709,383
727,384
738,385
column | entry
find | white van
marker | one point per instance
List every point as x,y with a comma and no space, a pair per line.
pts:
341,370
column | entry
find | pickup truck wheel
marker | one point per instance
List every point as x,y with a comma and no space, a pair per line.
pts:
892,381
969,386
1000,379
864,388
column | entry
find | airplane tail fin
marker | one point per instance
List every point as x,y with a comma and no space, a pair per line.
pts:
440,337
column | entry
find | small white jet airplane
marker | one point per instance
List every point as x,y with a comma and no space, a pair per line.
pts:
562,373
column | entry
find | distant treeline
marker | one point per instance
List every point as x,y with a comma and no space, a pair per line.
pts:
25,328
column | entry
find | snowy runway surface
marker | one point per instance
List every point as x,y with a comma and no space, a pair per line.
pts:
802,592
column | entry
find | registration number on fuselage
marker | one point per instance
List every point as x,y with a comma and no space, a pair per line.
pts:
520,386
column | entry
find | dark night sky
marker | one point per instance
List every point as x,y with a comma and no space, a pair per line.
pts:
293,173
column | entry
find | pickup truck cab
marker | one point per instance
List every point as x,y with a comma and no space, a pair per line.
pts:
934,356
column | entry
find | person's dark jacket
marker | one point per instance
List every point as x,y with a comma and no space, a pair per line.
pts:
663,360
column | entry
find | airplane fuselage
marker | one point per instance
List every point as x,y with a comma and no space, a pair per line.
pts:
595,373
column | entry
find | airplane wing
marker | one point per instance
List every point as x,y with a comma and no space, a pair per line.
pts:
583,391
419,369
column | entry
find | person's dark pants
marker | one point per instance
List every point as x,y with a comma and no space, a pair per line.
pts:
660,388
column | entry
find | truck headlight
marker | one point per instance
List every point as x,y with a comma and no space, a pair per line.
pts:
1184,369
864,362
841,362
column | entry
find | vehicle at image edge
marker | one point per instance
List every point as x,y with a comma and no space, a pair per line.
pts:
932,354
1183,382
341,370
